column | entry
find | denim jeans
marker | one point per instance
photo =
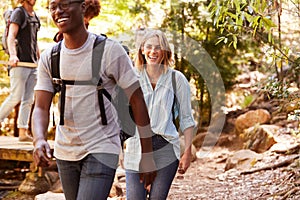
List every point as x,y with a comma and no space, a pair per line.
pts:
88,179
166,163
22,82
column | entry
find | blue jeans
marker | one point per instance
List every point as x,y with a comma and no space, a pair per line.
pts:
88,179
22,82
167,164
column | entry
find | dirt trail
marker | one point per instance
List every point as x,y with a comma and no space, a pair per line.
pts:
206,179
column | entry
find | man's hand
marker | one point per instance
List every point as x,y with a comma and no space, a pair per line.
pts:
13,60
42,153
147,170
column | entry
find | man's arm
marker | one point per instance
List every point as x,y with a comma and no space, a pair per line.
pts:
40,122
11,44
142,120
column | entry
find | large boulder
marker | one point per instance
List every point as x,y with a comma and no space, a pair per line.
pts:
251,118
259,138
242,160
34,184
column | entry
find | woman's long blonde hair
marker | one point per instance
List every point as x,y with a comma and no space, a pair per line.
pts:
167,60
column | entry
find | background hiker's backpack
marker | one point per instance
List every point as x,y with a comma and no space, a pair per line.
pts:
120,101
6,17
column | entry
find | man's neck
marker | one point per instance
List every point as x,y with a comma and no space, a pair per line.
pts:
76,40
29,8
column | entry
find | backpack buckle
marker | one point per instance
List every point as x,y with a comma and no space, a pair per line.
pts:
100,87
57,81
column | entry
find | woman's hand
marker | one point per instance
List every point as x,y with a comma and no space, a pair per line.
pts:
186,158
185,162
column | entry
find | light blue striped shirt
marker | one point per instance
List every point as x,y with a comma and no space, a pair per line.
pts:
159,102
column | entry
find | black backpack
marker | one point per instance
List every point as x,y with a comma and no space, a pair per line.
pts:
6,17
120,101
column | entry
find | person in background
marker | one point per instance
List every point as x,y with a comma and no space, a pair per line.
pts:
92,10
153,62
22,78
85,149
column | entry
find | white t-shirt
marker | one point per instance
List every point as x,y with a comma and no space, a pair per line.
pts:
83,132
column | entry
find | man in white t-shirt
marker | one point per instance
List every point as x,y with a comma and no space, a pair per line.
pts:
86,151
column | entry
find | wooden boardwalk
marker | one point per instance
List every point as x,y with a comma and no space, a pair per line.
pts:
12,149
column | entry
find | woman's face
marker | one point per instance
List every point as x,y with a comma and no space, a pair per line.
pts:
152,51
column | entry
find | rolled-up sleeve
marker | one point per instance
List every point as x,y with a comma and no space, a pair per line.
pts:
183,95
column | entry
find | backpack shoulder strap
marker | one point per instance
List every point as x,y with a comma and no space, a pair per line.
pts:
98,50
175,98
56,80
174,88
55,57
174,82
25,15
38,19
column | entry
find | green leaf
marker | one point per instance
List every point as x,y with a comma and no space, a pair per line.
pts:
237,6
268,23
263,5
249,18
235,40
220,39
232,15
269,36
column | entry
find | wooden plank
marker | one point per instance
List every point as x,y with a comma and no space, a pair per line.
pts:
15,154
22,64
12,149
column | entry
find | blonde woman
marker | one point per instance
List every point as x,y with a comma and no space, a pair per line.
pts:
153,63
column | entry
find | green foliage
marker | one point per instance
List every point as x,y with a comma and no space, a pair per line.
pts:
259,19
236,17
274,88
247,101
124,15
193,20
